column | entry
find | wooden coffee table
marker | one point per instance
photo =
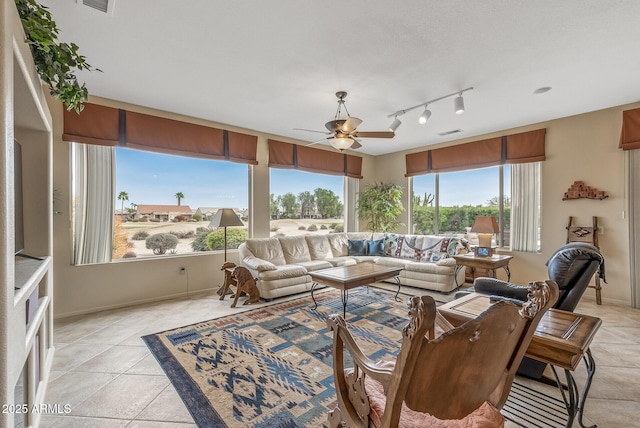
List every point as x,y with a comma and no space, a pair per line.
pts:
344,278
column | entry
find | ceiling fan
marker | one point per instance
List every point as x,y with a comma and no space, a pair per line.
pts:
342,132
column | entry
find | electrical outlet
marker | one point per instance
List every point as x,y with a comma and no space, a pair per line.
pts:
183,271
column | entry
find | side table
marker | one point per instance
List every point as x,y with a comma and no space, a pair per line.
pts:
489,263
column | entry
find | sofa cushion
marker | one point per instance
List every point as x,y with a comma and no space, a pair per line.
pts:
357,247
315,265
268,249
283,271
342,261
295,249
359,235
339,244
375,248
392,261
319,247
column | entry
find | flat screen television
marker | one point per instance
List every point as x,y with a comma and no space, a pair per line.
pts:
17,191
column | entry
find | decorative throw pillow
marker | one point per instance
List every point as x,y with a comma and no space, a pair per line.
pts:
436,256
357,247
375,248
390,244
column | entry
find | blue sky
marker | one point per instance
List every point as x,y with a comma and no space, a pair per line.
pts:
153,178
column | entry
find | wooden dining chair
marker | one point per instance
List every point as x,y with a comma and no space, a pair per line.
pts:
465,372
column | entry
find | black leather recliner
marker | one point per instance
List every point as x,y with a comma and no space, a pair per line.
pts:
571,267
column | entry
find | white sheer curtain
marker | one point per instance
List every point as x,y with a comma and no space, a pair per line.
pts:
634,225
525,206
351,189
93,211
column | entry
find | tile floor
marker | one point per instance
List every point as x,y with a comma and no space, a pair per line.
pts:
104,371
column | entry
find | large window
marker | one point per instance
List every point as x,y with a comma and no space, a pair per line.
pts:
447,203
131,203
304,202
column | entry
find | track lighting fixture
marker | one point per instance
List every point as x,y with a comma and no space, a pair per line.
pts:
395,124
458,104
426,114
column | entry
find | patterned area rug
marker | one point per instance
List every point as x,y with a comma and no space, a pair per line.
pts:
272,366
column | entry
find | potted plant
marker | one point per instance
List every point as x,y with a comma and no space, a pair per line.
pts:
55,62
381,204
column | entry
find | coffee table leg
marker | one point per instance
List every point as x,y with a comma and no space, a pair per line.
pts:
313,287
506,268
344,294
397,278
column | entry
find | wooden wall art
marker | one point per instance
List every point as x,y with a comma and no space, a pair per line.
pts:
578,190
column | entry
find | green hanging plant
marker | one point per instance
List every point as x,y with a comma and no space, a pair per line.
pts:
381,204
55,62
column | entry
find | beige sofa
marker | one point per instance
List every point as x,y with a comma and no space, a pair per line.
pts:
281,264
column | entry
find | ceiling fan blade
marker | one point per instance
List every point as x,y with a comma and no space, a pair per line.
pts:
316,142
374,134
356,145
312,130
351,124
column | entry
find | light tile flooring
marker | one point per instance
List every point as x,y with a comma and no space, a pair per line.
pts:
104,371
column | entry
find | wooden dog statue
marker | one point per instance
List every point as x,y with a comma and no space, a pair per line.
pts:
229,280
245,284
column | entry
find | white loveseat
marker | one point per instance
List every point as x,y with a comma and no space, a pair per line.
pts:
281,264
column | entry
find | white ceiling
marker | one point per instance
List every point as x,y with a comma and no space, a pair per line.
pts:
275,65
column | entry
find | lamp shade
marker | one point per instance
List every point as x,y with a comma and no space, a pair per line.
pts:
485,224
225,217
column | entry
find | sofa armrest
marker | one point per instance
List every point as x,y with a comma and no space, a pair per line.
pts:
257,264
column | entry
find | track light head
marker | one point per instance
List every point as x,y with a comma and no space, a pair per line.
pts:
458,104
395,124
426,114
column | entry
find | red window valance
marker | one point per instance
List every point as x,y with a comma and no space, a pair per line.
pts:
516,148
292,156
112,127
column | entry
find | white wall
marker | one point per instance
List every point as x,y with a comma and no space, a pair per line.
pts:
582,147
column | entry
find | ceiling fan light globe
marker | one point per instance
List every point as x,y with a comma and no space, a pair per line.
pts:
341,143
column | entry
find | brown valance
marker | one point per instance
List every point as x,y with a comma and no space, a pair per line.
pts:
630,134
292,156
515,148
158,134
96,124
109,126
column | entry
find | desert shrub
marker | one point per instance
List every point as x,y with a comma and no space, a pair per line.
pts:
140,235
182,234
120,244
333,225
235,237
323,227
161,242
145,218
339,228
181,218
129,255
199,243
312,228
280,234
302,228
197,217
154,220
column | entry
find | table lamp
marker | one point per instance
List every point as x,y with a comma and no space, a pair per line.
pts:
485,226
225,217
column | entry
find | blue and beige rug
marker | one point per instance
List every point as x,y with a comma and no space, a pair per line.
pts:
272,366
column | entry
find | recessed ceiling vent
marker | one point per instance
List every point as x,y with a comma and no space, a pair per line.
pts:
455,131
105,6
